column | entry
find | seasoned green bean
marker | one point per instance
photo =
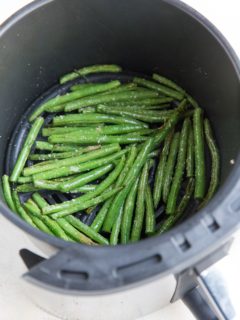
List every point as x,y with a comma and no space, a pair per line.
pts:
76,119
74,233
100,188
128,213
179,170
169,167
159,88
74,169
116,229
52,225
83,179
57,155
58,130
86,204
24,180
190,154
110,129
58,101
79,225
215,166
159,174
140,205
170,123
20,210
99,219
89,138
149,116
150,215
95,154
36,218
199,154
128,182
7,192
167,82
90,69
27,187
172,219
158,101
114,97
24,153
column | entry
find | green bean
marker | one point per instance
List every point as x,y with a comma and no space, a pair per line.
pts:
39,200
123,88
20,210
79,225
128,182
89,138
150,215
159,180
84,189
52,225
50,156
74,169
87,110
169,167
114,97
87,91
170,123
73,96
99,219
76,119
29,206
149,116
179,170
215,167
24,153
27,187
58,130
172,219
24,180
96,154
140,205
110,129
129,162
88,70
83,179
159,88
192,101
116,228
128,213
199,154
143,102
190,155
43,145
86,204
74,233
7,193
168,83
100,188
46,185
138,108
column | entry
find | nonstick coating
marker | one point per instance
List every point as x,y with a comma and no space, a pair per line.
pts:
50,38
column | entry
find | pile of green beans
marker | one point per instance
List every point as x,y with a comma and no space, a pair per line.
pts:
118,151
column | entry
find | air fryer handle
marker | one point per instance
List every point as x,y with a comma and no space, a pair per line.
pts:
213,298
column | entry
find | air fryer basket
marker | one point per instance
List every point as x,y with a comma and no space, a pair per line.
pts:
49,38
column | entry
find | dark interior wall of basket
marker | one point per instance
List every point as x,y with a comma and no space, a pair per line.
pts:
140,35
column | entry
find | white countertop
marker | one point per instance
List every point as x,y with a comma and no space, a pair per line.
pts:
13,304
